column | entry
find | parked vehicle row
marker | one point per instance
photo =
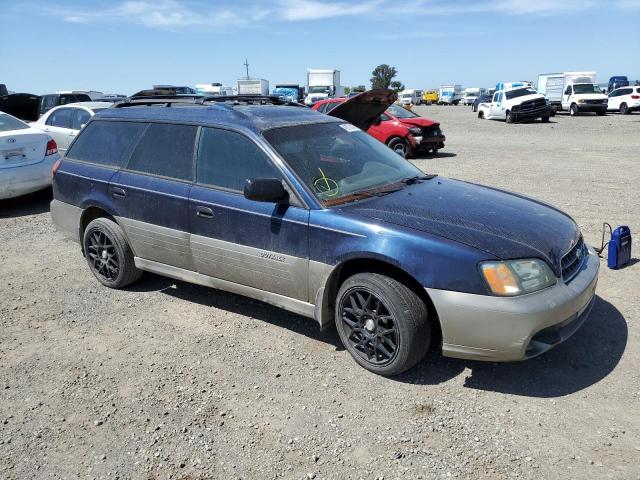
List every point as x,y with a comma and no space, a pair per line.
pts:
515,102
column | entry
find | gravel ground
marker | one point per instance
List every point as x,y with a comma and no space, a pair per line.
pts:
171,380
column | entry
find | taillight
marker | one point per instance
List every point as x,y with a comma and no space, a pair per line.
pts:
55,168
635,97
52,147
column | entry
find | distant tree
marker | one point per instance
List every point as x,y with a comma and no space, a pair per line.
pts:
396,86
347,90
360,88
382,76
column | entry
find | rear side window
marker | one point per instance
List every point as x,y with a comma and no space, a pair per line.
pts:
165,150
60,118
227,159
106,143
79,118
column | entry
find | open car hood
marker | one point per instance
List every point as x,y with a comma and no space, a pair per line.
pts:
24,106
362,110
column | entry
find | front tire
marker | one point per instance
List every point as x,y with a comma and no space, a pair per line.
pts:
399,146
509,118
545,119
573,110
624,109
108,254
382,323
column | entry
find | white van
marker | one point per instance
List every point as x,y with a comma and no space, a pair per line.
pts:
573,91
409,97
471,94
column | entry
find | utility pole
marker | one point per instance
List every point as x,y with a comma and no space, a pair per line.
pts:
246,64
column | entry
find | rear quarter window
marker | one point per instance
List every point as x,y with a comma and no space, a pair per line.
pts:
165,150
106,143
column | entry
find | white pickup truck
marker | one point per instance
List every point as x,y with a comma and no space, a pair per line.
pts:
515,102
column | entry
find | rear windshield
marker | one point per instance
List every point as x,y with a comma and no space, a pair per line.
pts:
520,92
106,143
8,123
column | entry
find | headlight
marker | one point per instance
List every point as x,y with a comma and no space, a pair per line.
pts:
415,131
515,107
580,100
517,277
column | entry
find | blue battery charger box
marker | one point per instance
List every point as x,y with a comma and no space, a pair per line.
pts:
619,252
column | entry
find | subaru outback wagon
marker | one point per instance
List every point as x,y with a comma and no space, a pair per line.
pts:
310,213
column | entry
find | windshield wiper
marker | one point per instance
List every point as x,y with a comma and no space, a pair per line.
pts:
417,178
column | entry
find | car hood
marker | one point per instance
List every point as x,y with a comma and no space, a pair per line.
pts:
418,122
362,110
503,224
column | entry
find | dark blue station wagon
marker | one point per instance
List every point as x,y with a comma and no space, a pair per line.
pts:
309,213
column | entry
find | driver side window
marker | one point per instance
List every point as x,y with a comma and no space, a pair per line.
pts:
227,159
568,91
495,97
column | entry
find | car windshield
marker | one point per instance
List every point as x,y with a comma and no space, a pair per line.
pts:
8,123
339,162
586,88
400,112
520,92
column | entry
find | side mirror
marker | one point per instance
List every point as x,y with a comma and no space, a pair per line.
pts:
265,190
377,121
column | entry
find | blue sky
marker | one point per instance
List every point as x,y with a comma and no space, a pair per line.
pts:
122,46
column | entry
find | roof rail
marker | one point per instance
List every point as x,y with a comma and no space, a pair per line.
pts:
252,99
167,100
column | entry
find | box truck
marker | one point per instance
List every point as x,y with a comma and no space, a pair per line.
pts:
323,84
573,91
253,86
449,94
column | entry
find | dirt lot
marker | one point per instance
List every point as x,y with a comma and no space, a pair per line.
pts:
170,380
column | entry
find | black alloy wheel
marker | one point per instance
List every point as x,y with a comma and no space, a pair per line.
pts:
102,256
369,327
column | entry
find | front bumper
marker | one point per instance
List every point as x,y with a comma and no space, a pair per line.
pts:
502,329
532,114
427,142
592,107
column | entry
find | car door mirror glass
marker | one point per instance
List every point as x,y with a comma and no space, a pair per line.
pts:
265,190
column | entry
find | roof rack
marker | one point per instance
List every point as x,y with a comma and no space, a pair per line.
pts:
252,99
167,100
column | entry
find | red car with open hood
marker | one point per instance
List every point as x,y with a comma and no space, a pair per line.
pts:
375,111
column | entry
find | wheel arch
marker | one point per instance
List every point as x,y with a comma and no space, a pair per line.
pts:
325,303
90,213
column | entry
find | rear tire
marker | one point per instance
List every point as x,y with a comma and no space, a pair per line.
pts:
382,323
108,254
481,115
545,119
624,109
573,110
601,113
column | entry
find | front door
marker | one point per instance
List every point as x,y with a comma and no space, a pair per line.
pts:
566,97
257,244
151,194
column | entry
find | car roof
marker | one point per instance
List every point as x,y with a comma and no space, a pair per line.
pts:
253,117
90,105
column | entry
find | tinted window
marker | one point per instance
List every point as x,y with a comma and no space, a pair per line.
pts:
568,90
106,143
495,97
165,150
64,99
8,123
60,118
227,159
626,91
82,97
384,117
79,118
49,101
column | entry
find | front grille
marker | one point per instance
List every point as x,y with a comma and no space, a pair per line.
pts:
531,104
573,260
594,102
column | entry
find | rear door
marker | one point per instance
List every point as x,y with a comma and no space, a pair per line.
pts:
58,125
151,193
256,244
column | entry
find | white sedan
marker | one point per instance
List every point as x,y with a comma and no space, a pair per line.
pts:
64,122
624,100
27,156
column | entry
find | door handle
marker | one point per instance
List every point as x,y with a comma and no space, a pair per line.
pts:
118,192
204,212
